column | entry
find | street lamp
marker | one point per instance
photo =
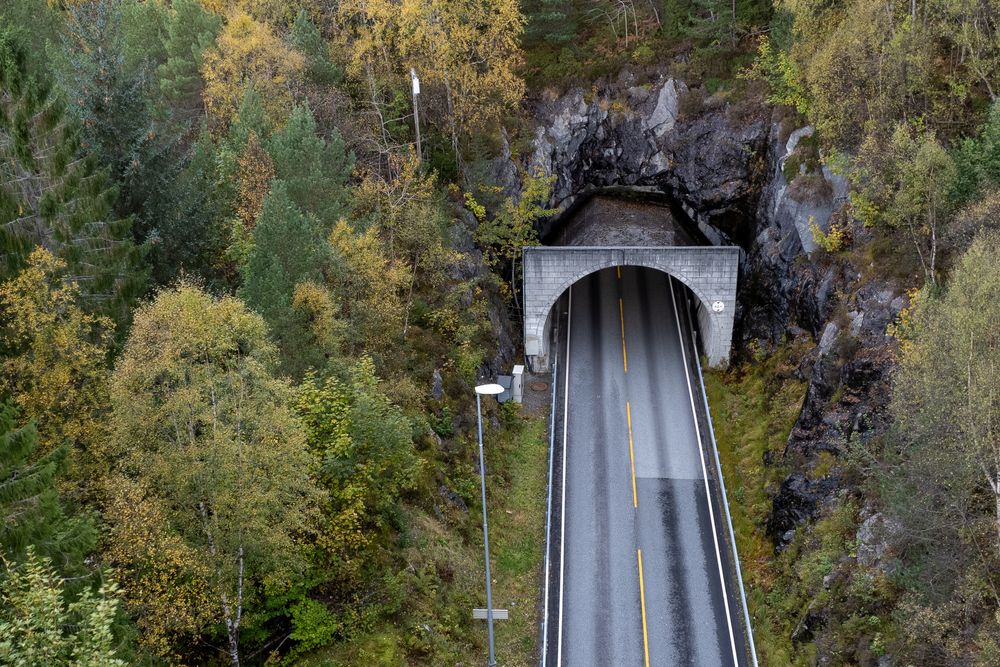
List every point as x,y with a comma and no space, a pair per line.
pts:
488,390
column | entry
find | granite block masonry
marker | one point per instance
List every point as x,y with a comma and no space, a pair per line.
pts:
710,272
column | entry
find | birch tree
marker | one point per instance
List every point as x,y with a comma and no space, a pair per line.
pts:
249,54
903,183
202,424
947,392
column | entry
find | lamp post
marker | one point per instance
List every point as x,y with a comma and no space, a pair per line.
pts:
488,390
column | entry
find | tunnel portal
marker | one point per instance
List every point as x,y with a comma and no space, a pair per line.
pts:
709,272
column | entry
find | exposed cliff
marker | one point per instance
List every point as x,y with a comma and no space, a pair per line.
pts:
748,177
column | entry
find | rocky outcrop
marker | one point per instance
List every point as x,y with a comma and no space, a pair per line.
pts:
779,292
798,500
469,269
725,165
875,537
626,135
795,210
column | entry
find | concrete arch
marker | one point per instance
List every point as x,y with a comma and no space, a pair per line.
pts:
710,273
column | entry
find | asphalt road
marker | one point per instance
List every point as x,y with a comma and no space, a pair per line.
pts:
640,570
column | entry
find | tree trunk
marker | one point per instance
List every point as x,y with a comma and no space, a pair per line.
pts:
234,645
513,284
233,619
997,498
454,123
409,299
933,252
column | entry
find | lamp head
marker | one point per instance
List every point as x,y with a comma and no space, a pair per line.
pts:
490,389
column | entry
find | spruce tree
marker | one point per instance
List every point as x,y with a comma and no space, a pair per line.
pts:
549,22
315,171
31,514
190,30
193,239
111,102
711,24
51,193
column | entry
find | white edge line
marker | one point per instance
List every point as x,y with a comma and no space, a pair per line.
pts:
729,518
548,508
562,511
704,469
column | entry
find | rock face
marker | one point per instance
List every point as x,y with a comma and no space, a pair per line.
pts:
724,164
797,502
779,292
636,136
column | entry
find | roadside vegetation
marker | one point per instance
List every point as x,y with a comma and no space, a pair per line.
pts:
754,406
443,578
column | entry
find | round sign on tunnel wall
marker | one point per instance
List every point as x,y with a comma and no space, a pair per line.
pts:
718,306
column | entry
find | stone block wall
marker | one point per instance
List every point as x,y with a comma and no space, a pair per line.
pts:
710,272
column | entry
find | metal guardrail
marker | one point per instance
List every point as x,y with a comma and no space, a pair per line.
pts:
548,510
725,504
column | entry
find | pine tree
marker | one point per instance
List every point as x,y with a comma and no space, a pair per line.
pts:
314,170
288,249
31,514
52,195
251,120
190,30
308,41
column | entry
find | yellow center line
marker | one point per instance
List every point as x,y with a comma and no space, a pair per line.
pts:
642,601
621,315
619,270
631,452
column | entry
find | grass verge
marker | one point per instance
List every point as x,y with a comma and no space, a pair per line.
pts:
754,407
443,571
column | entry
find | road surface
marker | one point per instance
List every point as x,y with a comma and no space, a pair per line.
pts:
640,571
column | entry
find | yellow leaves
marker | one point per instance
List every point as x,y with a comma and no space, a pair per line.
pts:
471,49
248,53
466,53
314,304
833,241
374,24
372,286
274,12
164,581
217,460
56,369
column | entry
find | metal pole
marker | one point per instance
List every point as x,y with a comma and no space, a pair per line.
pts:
486,534
416,111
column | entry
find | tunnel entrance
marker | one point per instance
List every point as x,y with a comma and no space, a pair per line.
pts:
708,272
